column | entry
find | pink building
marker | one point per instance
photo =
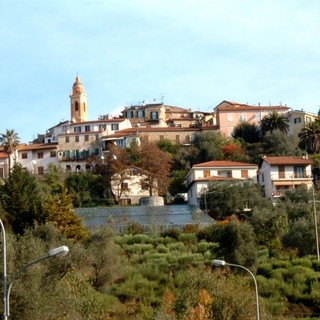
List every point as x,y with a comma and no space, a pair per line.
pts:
230,114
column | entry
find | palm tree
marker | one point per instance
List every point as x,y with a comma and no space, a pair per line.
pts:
310,137
9,141
274,121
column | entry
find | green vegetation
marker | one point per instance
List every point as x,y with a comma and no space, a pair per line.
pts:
165,276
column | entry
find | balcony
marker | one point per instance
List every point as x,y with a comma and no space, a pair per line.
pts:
291,176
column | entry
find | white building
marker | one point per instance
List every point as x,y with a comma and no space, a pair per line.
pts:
277,175
128,186
36,157
73,144
199,176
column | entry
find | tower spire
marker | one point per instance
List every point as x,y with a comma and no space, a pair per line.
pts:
78,101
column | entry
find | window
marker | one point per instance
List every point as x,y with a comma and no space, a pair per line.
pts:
77,129
242,117
40,155
308,120
124,186
244,174
225,173
24,155
299,172
102,127
53,154
97,137
114,126
68,168
206,173
87,128
140,114
154,115
144,185
177,138
40,171
66,154
76,139
297,120
1,173
281,170
258,116
76,106
130,114
86,137
229,117
67,139
187,138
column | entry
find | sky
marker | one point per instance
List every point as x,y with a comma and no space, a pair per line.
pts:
187,53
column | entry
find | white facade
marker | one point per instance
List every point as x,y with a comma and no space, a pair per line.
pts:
277,175
36,157
199,176
129,188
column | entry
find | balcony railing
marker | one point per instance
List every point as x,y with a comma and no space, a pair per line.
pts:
290,176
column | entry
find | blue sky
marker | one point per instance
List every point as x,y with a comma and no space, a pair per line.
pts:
188,53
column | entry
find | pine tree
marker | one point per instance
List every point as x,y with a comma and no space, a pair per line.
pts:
59,210
21,199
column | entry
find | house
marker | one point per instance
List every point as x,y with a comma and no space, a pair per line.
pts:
276,175
36,157
4,164
297,120
199,176
128,186
157,114
229,114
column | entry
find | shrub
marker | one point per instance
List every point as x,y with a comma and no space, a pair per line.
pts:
265,269
278,274
316,265
302,262
161,248
134,228
188,238
172,233
191,228
281,263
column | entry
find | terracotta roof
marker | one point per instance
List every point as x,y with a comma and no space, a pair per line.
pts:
38,146
241,106
3,155
287,160
224,163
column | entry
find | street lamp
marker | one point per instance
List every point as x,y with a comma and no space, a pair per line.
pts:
222,263
59,251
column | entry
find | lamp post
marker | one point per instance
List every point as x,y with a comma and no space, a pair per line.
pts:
4,270
59,251
222,263
315,223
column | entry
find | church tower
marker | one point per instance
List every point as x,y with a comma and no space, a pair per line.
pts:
78,102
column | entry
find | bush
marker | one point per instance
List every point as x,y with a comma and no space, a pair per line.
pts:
281,264
134,228
316,265
188,238
265,269
302,262
172,233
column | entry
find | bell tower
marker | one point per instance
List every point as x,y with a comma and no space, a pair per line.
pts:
78,102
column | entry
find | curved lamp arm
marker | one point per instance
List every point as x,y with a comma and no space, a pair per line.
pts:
60,251
222,263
